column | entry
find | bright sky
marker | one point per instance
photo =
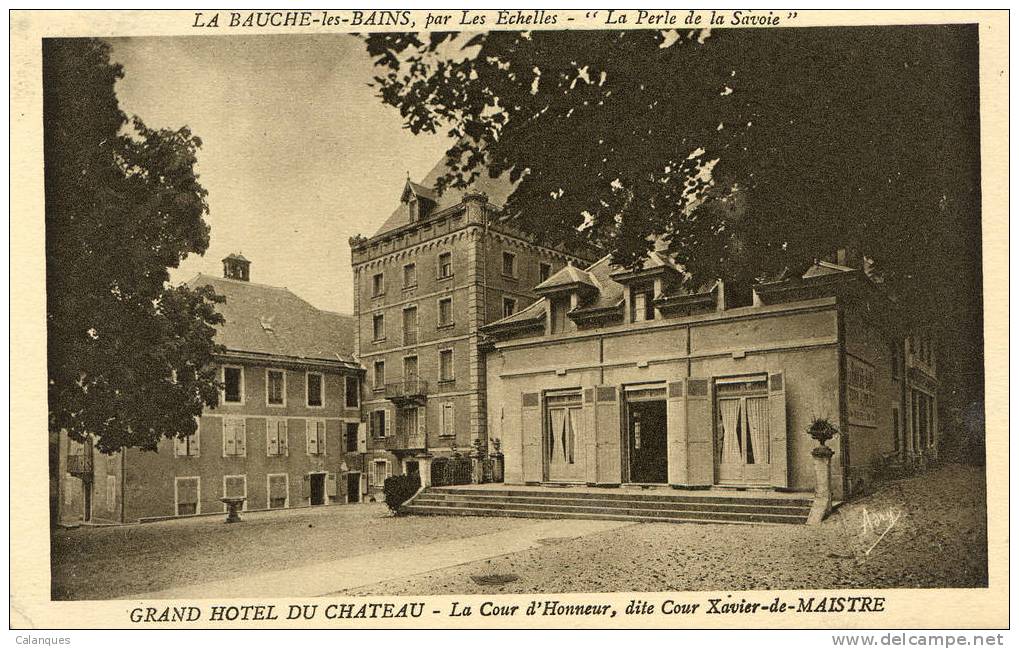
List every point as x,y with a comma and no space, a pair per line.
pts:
298,154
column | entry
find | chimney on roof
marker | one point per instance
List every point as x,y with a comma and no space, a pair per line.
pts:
235,266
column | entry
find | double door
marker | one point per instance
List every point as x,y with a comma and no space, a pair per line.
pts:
565,438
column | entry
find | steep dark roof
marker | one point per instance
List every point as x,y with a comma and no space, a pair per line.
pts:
273,321
497,190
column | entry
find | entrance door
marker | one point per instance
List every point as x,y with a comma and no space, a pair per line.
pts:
565,438
318,488
354,487
647,431
412,468
742,435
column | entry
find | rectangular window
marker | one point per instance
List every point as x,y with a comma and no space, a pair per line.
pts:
350,437
446,365
278,488
380,473
234,437
316,396
235,486
410,325
276,437
410,368
378,285
557,315
509,306
316,436
186,496
378,327
445,311
352,391
233,380
544,271
275,387
379,375
379,423
448,426
188,446
410,275
509,264
641,303
445,265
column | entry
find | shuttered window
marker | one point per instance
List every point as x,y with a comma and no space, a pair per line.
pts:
234,437
276,437
235,486
275,387
316,436
350,437
448,426
187,446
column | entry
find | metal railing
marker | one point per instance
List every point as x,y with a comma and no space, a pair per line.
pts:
407,388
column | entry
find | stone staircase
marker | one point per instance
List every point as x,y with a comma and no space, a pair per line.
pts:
663,505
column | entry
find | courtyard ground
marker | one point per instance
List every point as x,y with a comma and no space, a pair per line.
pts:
927,531
922,532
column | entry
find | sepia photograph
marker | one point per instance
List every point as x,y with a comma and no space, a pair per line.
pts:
514,307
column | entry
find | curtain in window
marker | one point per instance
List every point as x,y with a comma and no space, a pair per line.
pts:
558,417
730,412
571,436
757,420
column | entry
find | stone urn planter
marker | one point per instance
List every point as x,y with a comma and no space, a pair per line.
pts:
233,505
821,430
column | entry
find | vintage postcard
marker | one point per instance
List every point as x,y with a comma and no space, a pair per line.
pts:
509,318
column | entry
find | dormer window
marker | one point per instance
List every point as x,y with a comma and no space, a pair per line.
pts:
557,308
642,303
413,208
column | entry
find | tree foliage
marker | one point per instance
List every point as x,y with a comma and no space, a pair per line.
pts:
130,357
746,151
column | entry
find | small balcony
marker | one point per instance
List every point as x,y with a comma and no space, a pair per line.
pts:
407,393
79,465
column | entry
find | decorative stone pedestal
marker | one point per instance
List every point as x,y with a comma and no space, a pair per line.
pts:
233,505
822,485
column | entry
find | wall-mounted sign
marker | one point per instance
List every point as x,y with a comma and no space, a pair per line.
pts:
860,392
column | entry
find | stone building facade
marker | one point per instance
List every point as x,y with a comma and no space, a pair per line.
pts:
286,433
425,283
632,377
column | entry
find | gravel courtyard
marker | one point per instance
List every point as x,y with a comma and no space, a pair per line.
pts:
928,531
112,562
936,537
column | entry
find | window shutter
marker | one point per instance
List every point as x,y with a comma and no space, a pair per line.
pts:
306,488
281,428
389,424
362,437
331,485
272,441
607,427
676,420
179,447
700,457
777,426
311,438
531,434
320,434
590,425
196,439
229,443
241,437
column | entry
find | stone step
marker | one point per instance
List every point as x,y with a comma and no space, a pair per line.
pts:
564,514
434,499
701,497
